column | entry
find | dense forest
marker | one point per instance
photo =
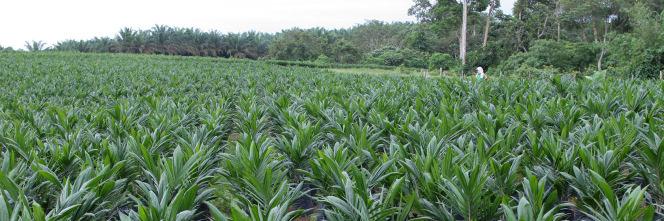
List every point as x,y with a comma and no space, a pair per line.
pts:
623,38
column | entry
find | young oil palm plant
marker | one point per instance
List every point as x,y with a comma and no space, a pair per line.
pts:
358,202
278,210
468,195
160,201
650,164
19,211
259,181
328,167
175,192
299,143
631,206
537,202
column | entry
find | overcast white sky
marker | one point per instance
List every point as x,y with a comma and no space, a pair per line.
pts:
52,21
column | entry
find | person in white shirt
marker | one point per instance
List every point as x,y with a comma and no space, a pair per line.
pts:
480,74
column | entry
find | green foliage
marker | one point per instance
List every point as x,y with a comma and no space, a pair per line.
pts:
490,56
93,45
346,46
651,65
637,54
550,57
6,49
522,65
536,203
419,40
35,46
562,55
625,53
322,59
345,53
629,207
396,57
296,44
328,65
375,35
415,59
439,60
598,75
141,137
388,56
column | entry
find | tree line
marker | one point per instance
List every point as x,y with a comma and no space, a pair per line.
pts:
362,44
590,37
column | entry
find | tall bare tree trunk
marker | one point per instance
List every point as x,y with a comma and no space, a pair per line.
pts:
601,55
462,40
492,3
595,32
583,36
558,30
543,32
558,12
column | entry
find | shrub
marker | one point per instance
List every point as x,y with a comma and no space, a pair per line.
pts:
541,72
392,58
322,59
345,52
440,60
415,59
563,55
548,57
651,65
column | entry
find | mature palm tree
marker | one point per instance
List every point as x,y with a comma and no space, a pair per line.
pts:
103,44
159,37
35,45
132,41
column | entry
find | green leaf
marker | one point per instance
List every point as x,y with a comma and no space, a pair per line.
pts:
405,211
66,212
605,188
509,214
38,212
214,211
51,177
4,209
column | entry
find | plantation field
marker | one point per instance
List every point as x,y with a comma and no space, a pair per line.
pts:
137,137
374,71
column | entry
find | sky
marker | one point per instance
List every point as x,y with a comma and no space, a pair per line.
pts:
52,21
